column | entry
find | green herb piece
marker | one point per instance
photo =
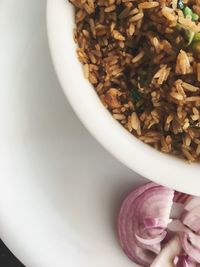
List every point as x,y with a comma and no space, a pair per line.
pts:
135,95
144,78
179,30
195,17
180,4
189,35
187,11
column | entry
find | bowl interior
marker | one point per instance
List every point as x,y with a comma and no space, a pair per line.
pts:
164,169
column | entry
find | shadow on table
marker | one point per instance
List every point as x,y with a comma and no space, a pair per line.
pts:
7,259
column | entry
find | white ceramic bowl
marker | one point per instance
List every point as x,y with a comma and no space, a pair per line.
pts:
156,166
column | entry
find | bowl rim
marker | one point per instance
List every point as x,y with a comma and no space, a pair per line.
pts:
145,160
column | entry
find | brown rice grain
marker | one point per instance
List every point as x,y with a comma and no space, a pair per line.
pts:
168,14
138,57
133,11
190,87
119,117
110,9
86,71
188,155
193,99
148,5
135,123
176,96
198,150
118,36
137,17
131,29
198,71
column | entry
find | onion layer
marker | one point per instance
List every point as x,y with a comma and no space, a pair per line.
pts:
180,197
190,248
148,201
184,261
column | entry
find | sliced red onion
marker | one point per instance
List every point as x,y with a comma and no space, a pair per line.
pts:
176,210
191,203
153,226
148,219
125,228
192,220
155,248
176,226
168,254
151,241
189,263
175,261
149,201
156,203
178,205
180,197
194,239
154,223
153,232
151,237
184,261
190,248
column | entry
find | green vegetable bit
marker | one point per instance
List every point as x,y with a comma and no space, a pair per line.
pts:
144,78
189,36
135,95
187,11
180,4
195,17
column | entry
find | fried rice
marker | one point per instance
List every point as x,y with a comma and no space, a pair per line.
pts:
143,59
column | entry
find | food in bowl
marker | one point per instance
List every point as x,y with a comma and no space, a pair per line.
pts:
159,227
143,59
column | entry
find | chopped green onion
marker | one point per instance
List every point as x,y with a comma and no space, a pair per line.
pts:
180,4
135,95
187,11
195,17
189,36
